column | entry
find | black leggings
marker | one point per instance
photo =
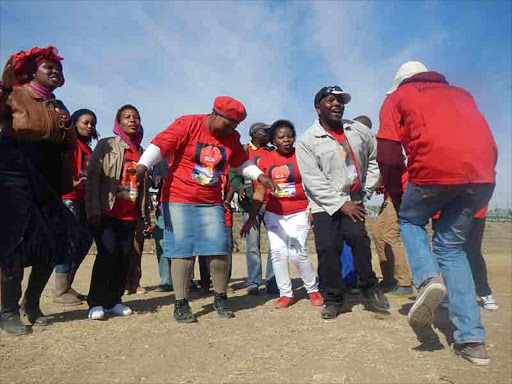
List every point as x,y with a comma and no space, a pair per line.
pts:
473,248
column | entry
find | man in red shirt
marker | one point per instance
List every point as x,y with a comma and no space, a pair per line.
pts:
451,155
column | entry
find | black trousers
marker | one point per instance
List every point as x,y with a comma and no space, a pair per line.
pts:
114,241
330,232
473,248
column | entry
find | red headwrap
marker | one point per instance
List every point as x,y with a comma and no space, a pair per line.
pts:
24,63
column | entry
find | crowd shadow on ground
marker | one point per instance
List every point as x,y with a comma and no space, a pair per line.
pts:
428,338
142,303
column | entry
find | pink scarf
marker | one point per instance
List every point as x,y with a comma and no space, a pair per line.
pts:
45,93
135,144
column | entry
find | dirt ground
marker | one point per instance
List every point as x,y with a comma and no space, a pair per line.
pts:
262,344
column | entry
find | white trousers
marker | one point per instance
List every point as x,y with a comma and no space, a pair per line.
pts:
287,235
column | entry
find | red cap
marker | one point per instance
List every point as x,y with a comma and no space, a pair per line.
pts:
229,108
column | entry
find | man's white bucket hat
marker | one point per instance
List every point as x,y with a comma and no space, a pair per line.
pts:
406,70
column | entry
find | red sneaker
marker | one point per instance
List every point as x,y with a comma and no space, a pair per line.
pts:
284,302
316,299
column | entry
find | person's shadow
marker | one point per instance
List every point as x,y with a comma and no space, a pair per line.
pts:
143,304
427,337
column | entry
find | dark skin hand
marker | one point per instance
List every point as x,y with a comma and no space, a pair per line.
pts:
241,192
257,201
267,182
78,182
354,210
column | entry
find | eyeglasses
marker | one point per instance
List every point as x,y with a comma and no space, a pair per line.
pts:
326,91
332,89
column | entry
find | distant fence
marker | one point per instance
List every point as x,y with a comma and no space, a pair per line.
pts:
500,217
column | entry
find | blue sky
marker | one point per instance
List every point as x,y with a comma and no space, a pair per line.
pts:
173,58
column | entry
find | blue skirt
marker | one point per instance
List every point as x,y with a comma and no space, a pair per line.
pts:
193,230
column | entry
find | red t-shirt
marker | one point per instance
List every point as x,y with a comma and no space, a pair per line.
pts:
81,154
125,205
446,138
198,161
255,155
290,197
350,160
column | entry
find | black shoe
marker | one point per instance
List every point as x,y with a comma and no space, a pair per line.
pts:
386,286
164,288
182,312
219,304
193,287
205,291
253,291
331,311
11,323
35,316
378,302
354,291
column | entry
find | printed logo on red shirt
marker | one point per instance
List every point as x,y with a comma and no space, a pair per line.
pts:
127,189
283,176
85,161
210,163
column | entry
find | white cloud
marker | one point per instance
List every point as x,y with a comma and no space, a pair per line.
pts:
173,58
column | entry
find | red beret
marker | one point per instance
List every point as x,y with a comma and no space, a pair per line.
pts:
229,108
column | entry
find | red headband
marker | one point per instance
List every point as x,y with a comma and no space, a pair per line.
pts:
24,63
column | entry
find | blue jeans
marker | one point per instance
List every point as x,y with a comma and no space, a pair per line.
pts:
164,263
458,204
253,255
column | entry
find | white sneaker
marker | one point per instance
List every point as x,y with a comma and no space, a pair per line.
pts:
96,313
120,309
489,303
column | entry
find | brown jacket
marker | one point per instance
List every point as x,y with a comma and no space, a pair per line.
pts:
103,174
25,115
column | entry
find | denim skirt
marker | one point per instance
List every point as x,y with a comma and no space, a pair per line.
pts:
193,230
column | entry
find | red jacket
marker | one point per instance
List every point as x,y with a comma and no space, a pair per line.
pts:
446,138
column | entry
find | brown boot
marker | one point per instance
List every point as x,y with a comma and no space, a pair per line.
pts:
61,294
79,296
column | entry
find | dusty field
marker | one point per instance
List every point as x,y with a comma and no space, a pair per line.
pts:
262,344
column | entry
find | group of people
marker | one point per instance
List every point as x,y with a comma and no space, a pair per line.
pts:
57,195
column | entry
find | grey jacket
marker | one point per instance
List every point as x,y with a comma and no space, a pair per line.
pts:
323,170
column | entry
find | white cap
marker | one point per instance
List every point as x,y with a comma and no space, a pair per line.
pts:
406,70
